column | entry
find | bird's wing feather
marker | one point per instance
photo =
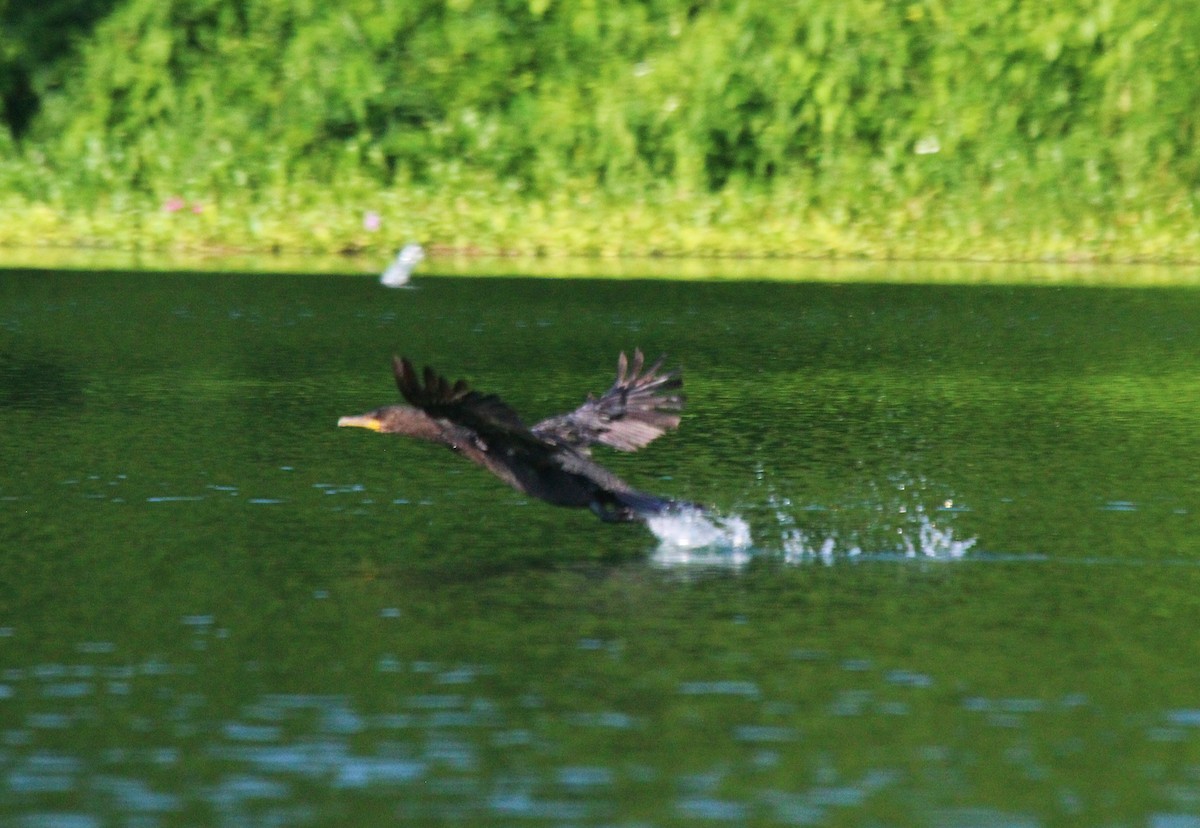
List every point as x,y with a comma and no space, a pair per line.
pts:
638,408
486,414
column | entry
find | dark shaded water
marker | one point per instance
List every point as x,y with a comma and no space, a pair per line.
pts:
216,608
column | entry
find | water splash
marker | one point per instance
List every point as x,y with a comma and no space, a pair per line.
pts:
683,532
921,539
936,542
901,520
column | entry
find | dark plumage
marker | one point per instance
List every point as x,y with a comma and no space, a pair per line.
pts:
550,460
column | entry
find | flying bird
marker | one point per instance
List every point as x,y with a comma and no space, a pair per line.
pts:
550,460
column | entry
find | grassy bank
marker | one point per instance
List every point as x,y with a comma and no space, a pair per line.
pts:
495,222
996,131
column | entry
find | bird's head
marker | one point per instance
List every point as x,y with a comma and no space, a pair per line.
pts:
395,419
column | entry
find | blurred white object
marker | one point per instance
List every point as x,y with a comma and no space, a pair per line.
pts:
401,268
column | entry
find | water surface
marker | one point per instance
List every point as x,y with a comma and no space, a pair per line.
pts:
971,598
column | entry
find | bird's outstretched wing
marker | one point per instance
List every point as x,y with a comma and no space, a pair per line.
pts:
486,414
640,406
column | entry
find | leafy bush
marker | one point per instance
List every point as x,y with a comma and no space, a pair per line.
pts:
972,117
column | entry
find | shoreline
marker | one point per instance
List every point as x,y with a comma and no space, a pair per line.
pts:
443,261
702,236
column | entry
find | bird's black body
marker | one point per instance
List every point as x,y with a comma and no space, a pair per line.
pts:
551,459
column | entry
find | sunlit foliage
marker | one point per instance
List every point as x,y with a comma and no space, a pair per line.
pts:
846,126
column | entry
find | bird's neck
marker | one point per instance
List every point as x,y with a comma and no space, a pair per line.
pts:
413,422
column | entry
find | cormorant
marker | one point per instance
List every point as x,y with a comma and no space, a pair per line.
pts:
550,460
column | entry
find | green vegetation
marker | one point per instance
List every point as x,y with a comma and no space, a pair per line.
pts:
998,130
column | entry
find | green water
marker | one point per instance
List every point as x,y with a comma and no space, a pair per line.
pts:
217,608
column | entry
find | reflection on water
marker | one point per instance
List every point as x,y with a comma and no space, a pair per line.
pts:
949,575
445,744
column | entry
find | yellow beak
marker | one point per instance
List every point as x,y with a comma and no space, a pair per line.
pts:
362,421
